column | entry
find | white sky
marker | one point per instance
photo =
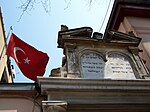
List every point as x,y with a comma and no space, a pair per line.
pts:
40,29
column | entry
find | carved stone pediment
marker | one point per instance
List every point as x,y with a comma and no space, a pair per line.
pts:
119,37
76,32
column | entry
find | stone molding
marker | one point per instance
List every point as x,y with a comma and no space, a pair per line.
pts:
54,106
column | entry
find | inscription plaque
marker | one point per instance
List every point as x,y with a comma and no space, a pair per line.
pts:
118,67
92,66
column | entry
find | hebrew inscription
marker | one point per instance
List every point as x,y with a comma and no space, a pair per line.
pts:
118,67
92,66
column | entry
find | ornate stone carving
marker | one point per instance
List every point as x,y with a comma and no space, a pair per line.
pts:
54,106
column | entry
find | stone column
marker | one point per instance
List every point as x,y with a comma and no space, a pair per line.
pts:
54,106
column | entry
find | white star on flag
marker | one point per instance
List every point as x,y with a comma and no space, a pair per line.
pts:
26,60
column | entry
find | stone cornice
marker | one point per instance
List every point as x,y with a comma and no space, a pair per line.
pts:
80,85
17,89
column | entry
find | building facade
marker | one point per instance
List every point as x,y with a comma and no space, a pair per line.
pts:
6,75
98,73
132,17
20,97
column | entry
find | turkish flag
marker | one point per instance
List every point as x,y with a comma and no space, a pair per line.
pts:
31,62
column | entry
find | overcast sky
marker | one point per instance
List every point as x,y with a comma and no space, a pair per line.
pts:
40,29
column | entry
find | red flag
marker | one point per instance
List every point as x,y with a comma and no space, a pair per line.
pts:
31,62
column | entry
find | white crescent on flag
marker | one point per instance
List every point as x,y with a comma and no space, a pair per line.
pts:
31,61
15,50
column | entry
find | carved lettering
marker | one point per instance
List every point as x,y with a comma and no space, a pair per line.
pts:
118,66
92,66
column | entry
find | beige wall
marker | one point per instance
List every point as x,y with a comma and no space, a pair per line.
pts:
19,105
141,28
3,58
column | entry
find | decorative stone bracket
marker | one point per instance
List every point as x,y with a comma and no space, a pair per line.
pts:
54,106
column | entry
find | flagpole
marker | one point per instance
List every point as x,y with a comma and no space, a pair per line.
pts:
8,35
5,45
